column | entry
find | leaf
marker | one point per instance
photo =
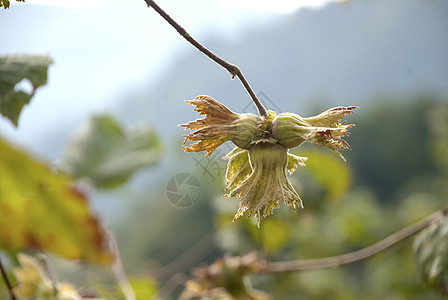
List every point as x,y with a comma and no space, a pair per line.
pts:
329,170
14,69
145,288
238,167
41,209
274,234
431,252
102,151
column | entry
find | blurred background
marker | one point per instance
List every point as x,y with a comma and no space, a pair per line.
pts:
388,57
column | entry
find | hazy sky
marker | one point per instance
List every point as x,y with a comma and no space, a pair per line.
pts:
284,6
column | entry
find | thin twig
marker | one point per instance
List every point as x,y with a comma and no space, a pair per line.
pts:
190,256
231,68
118,270
200,250
7,282
171,285
336,261
49,271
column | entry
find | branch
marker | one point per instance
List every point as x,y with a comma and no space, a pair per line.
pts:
231,68
348,258
334,261
7,282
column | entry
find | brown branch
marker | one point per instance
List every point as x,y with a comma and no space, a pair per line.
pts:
231,68
7,282
348,258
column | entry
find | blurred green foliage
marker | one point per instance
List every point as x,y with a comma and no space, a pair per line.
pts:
395,175
391,145
144,287
331,172
43,209
438,123
392,178
106,154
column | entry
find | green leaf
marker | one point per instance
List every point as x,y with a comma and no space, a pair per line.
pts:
431,252
274,234
145,288
41,209
14,69
105,153
329,170
238,167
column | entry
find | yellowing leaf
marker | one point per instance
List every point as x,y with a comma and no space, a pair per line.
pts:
13,69
41,209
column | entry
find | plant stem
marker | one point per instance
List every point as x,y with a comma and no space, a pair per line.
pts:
49,271
118,270
7,282
231,68
336,261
